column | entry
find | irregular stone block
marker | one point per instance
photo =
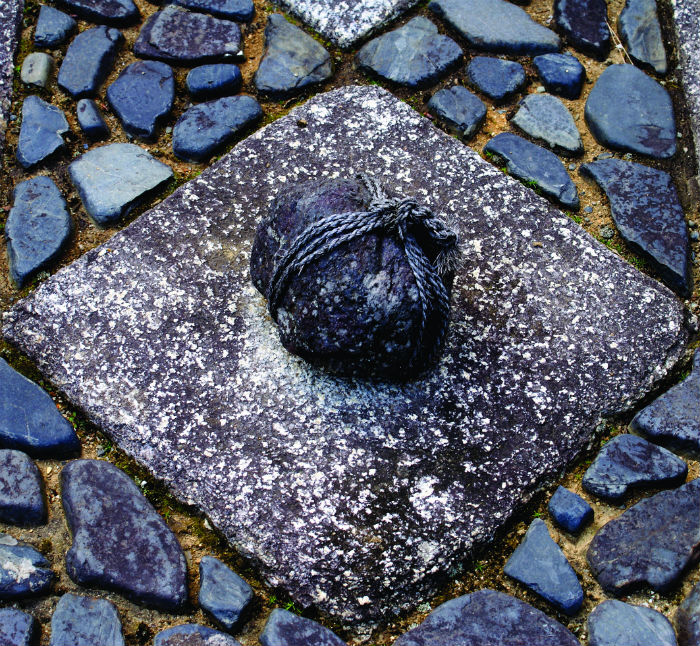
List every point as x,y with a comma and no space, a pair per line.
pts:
193,635
11,15
687,619
652,543
640,32
496,78
284,628
613,623
213,81
569,510
222,593
311,474
238,10
462,111
561,74
414,55
24,572
36,69
90,119
119,541
112,12
41,130
85,621
545,117
52,27
21,490
584,25
18,628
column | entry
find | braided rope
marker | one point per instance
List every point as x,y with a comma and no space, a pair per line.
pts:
395,216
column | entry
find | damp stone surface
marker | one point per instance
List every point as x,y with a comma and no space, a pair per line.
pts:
329,484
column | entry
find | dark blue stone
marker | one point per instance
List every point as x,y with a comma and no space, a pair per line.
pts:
119,541
222,593
651,543
641,34
561,74
545,117
569,510
213,81
584,24
142,96
194,635
531,163
414,55
113,12
462,111
539,564
628,110
21,490
18,628
238,10
52,27
497,79
687,619
284,628
674,418
90,119
85,621
88,61
487,618
208,127
629,461
496,26
24,572
645,207
613,623
40,134
292,60
38,228
30,421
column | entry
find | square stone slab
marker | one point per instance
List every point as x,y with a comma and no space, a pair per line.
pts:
349,21
357,497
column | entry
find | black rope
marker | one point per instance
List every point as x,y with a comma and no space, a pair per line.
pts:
395,216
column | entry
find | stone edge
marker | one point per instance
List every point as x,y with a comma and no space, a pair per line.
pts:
11,12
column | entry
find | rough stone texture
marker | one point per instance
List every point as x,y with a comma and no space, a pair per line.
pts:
497,26
193,635
52,27
213,81
674,418
652,543
41,130
569,510
647,212
24,572
640,32
531,163
311,475
17,628
414,55
238,10
583,23
486,618
10,20
561,74
613,623
496,78
284,628
113,12
222,593
687,619
85,621
30,421
627,462
36,69
112,179
628,110
462,111
90,120
119,541
185,38
545,117
141,96
21,490
292,60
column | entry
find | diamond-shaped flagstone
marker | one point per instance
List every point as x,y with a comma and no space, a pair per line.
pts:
357,497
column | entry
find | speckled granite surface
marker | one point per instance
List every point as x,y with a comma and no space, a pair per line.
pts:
10,17
346,22
352,496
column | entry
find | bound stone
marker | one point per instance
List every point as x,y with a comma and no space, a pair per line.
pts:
222,593
112,12
292,60
284,628
36,69
142,96
487,617
414,55
90,120
496,78
40,134
545,117
238,10
24,572
357,308
37,229
584,23
213,81
30,421
462,111
21,490
85,621
194,635
119,541
569,510
613,623
687,619
641,34
561,74
52,27
18,628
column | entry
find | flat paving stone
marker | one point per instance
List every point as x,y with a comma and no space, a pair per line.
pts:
175,35
487,617
497,26
90,119
238,10
36,69
674,418
462,111
11,14
651,544
284,628
561,74
30,421
213,81
299,485
545,117
193,635
584,25
628,110
112,12
613,623
687,619
292,60
640,32
531,163
222,593
88,61
646,209
24,572
18,628
85,621
414,55
41,130
141,96
113,179
21,490
569,510
496,78
38,228
53,27
119,541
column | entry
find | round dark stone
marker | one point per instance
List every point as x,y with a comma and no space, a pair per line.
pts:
213,81
496,78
